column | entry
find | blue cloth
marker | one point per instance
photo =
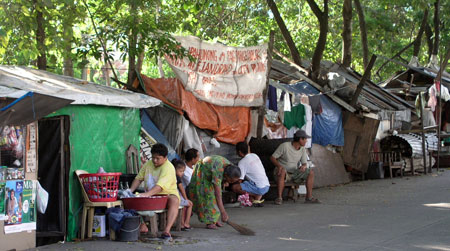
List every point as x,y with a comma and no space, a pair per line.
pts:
272,98
327,127
117,215
151,128
250,187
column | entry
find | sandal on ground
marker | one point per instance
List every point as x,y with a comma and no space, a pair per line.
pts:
211,226
186,228
166,237
219,224
258,203
278,201
312,200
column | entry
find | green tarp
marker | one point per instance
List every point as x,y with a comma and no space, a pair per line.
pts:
99,137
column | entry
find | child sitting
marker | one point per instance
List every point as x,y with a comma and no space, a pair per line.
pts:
187,204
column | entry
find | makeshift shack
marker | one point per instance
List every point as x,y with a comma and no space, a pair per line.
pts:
94,131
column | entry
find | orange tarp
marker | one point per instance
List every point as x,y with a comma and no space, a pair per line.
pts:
231,124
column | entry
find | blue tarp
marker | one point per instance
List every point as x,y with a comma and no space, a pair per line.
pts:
327,127
151,128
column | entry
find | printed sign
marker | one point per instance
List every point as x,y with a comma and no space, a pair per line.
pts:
2,199
28,201
222,75
31,146
13,201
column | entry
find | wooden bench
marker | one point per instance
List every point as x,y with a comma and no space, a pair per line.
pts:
292,190
160,216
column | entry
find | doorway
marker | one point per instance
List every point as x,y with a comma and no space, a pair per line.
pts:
53,175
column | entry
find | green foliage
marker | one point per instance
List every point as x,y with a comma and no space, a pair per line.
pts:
150,23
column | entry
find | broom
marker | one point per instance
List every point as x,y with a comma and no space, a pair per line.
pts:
241,229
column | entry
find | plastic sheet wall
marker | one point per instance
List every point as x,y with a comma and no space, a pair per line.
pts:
99,137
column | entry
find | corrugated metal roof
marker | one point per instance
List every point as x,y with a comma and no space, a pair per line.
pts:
372,96
15,81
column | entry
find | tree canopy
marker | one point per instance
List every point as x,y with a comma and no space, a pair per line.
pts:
79,36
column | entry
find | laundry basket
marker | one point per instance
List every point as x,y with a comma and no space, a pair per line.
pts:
101,187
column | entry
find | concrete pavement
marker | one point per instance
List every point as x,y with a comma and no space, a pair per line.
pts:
410,213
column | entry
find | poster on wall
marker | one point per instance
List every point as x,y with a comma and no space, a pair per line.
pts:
12,144
31,146
146,143
28,201
13,201
2,200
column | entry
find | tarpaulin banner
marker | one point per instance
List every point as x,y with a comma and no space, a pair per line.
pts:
220,74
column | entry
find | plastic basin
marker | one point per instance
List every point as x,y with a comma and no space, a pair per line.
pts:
157,202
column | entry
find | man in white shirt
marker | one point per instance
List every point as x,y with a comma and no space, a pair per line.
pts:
253,178
191,158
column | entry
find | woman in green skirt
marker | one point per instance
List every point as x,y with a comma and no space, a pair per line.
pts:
205,189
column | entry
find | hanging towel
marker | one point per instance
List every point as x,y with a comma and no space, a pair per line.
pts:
316,106
296,117
287,102
308,126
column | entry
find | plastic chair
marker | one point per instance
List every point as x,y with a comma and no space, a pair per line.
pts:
89,207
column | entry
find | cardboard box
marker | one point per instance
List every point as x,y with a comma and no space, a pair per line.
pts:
99,226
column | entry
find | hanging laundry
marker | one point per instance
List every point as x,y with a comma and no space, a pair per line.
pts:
417,103
432,102
287,102
314,102
272,98
296,117
308,126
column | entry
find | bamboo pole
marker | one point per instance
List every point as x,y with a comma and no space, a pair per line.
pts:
262,108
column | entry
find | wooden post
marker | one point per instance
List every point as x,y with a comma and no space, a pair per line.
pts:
439,79
262,108
423,134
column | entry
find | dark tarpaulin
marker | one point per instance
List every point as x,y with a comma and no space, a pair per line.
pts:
30,107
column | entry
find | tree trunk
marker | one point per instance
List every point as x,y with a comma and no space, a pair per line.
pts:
285,32
429,38
418,40
434,62
436,28
160,68
347,33
363,31
140,61
132,49
40,38
68,37
322,17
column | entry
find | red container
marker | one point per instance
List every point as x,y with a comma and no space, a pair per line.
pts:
101,187
157,202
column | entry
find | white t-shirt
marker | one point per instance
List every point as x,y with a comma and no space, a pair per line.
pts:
252,167
186,179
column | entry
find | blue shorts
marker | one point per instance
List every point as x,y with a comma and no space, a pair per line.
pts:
250,187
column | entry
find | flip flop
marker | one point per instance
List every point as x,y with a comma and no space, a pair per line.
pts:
211,226
312,201
219,224
278,201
